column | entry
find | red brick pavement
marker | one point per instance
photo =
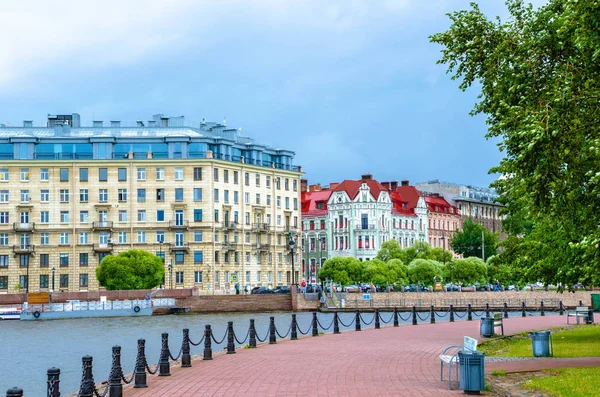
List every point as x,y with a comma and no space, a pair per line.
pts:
400,361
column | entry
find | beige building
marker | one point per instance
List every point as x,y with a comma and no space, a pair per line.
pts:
217,206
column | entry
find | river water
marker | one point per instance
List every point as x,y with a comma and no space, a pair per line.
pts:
29,348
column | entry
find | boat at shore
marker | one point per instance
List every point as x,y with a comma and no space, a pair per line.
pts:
10,313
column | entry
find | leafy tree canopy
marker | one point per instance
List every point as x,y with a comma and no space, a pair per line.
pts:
341,270
424,270
468,241
467,271
389,250
133,269
538,73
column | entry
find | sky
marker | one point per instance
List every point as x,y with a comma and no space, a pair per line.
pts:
351,86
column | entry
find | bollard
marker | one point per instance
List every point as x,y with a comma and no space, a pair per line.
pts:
186,358
315,326
561,308
432,314
53,382
377,323
140,366
272,336
252,340
505,310
542,309
86,388
357,319
164,367
469,313
414,315
115,387
336,323
524,314
208,343
451,313
396,317
14,392
580,303
487,310
230,342
294,331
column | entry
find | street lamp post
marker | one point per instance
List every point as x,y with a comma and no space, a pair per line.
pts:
162,258
53,270
443,238
171,274
27,282
291,245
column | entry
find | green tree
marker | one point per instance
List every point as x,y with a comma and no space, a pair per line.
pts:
389,250
377,272
336,269
468,240
419,250
467,271
538,73
440,255
399,269
133,269
424,270
500,271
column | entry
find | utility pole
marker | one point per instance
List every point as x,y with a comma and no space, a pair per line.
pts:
482,246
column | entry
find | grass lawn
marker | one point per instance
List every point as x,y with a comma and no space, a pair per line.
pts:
568,382
579,341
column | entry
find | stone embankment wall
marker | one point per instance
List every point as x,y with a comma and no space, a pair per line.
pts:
15,299
237,303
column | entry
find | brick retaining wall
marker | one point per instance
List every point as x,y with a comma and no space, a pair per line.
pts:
237,303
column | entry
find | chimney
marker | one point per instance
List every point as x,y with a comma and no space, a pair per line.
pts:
333,185
115,123
314,188
366,177
140,123
393,185
97,123
27,123
303,185
405,182
151,123
386,185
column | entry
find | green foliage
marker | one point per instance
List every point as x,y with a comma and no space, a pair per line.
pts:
389,250
467,271
538,73
468,240
133,269
346,270
424,270
399,269
337,269
440,254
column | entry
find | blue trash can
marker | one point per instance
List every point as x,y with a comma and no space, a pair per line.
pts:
471,366
541,342
486,327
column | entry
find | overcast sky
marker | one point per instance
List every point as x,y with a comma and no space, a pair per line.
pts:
350,86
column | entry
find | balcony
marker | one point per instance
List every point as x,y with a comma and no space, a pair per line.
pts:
23,227
263,247
179,247
179,224
229,246
230,225
261,227
23,249
364,227
102,225
106,247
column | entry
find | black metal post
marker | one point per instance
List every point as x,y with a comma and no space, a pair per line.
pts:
53,271
230,341
396,317
207,342
432,314
561,308
505,310
252,337
86,388
357,320
315,326
336,323
14,392
272,336
377,318
164,367
590,317
580,303
186,358
451,313
469,313
53,382
487,310
115,387
294,332
414,315
542,309
524,313
140,366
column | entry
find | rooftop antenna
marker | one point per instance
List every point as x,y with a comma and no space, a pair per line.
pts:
225,120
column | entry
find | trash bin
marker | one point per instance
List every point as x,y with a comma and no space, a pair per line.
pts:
487,327
590,317
541,342
596,302
471,366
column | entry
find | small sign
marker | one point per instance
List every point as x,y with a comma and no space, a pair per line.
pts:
366,297
234,278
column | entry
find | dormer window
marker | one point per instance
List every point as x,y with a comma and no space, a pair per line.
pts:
320,205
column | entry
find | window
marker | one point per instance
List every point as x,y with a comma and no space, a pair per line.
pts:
102,174
45,217
83,280
216,237
160,237
160,215
247,179
83,238
179,174
64,216
4,217
179,257
122,215
24,281
278,183
122,237
216,215
247,218
122,195
236,198
44,260
217,277
141,237
3,260
287,203
226,196
178,277
197,215
269,181
160,194
141,216
197,236
64,238
83,216
248,260
25,174
4,196
122,172
64,281
83,175
257,198
141,174
3,238
278,201
216,195
44,174
44,238
83,259
44,281
4,175
216,174
64,260
246,198
103,195
197,174
258,276
235,177
160,174
24,196
64,195
197,194
83,195
198,277
295,185
226,176
257,180
295,203
197,256
247,237
141,195
268,200
3,280
287,184
179,194
64,175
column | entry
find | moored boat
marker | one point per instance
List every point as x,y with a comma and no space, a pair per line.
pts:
10,313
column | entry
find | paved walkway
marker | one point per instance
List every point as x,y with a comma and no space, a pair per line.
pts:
400,361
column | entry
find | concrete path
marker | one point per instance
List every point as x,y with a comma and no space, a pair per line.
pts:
400,361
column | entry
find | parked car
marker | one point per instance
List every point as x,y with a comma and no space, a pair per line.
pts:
261,290
352,288
313,288
282,289
452,288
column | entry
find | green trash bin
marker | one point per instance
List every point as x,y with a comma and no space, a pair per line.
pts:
541,343
486,327
596,302
471,366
